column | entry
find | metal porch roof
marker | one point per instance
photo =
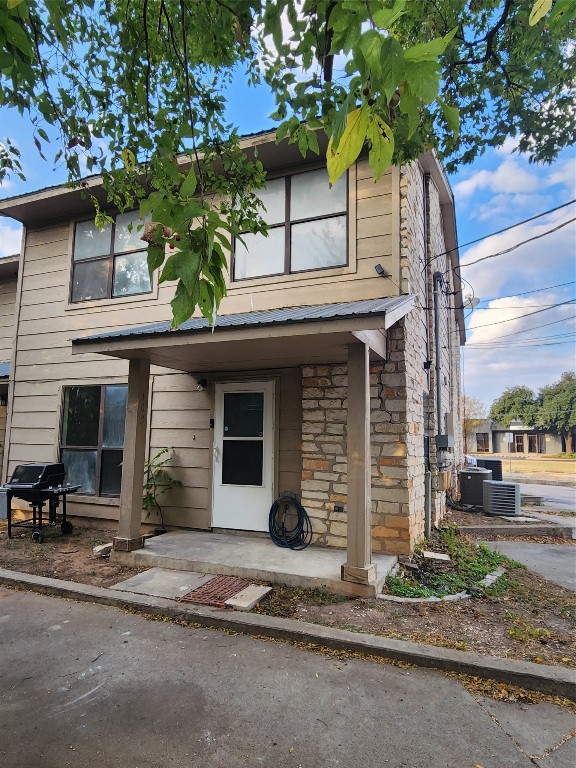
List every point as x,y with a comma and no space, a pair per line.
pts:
396,308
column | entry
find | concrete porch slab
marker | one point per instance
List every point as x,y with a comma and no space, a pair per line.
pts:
252,558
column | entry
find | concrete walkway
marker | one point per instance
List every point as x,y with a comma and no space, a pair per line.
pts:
558,498
252,558
555,562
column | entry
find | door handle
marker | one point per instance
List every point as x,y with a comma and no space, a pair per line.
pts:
216,453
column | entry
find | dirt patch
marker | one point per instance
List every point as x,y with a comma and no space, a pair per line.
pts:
63,557
520,617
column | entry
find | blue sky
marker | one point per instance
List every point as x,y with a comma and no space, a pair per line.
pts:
499,189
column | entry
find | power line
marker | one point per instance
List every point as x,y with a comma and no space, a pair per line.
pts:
515,346
525,341
500,231
535,328
536,290
518,245
524,306
527,314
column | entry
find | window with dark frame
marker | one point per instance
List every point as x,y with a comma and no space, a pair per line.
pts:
308,228
482,442
110,262
92,440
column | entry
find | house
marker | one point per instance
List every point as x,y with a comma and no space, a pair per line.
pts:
491,437
333,369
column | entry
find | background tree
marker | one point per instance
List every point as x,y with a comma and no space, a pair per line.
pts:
475,412
557,409
135,90
515,404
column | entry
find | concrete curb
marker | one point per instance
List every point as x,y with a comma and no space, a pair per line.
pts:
558,681
518,529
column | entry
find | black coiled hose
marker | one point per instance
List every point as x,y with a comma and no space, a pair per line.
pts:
289,524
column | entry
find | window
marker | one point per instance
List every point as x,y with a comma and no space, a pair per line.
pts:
110,262
93,437
482,442
308,228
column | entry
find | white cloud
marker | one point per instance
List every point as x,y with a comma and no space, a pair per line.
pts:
10,237
509,176
565,174
529,266
534,356
499,206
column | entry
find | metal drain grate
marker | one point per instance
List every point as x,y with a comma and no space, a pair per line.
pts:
216,591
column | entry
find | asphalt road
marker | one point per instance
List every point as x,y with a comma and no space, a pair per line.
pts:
85,685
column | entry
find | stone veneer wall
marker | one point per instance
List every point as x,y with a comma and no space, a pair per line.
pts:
403,408
324,466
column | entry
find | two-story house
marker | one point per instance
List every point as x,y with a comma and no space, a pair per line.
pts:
332,371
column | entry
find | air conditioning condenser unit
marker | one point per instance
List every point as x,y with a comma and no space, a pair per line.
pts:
501,498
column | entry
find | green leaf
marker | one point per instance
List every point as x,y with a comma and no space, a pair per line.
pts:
148,204
13,3
156,256
183,266
392,66
382,145
452,115
189,184
385,17
17,37
371,45
313,142
562,12
207,300
423,79
410,106
282,131
349,146
430,51
539,10
183,305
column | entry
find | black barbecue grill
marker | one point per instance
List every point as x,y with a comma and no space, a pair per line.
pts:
38,484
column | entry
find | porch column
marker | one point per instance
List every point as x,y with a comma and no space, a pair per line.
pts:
359,567
129,525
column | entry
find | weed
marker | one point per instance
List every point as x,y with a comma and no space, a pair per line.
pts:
524,632
469,564
407,587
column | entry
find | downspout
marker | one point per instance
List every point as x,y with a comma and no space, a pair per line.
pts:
438,279
427,472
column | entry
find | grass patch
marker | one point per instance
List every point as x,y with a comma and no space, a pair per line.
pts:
469,564
525,632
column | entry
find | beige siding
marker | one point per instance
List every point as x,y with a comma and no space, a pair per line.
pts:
179,414
373,222
7,318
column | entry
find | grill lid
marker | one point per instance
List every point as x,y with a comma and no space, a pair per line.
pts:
37,476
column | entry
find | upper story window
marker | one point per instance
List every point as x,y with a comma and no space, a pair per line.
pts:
111,262
307,228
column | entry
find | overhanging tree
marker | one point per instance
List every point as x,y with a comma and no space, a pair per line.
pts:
515,404
135,90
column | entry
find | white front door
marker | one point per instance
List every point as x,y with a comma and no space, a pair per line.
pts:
243,476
